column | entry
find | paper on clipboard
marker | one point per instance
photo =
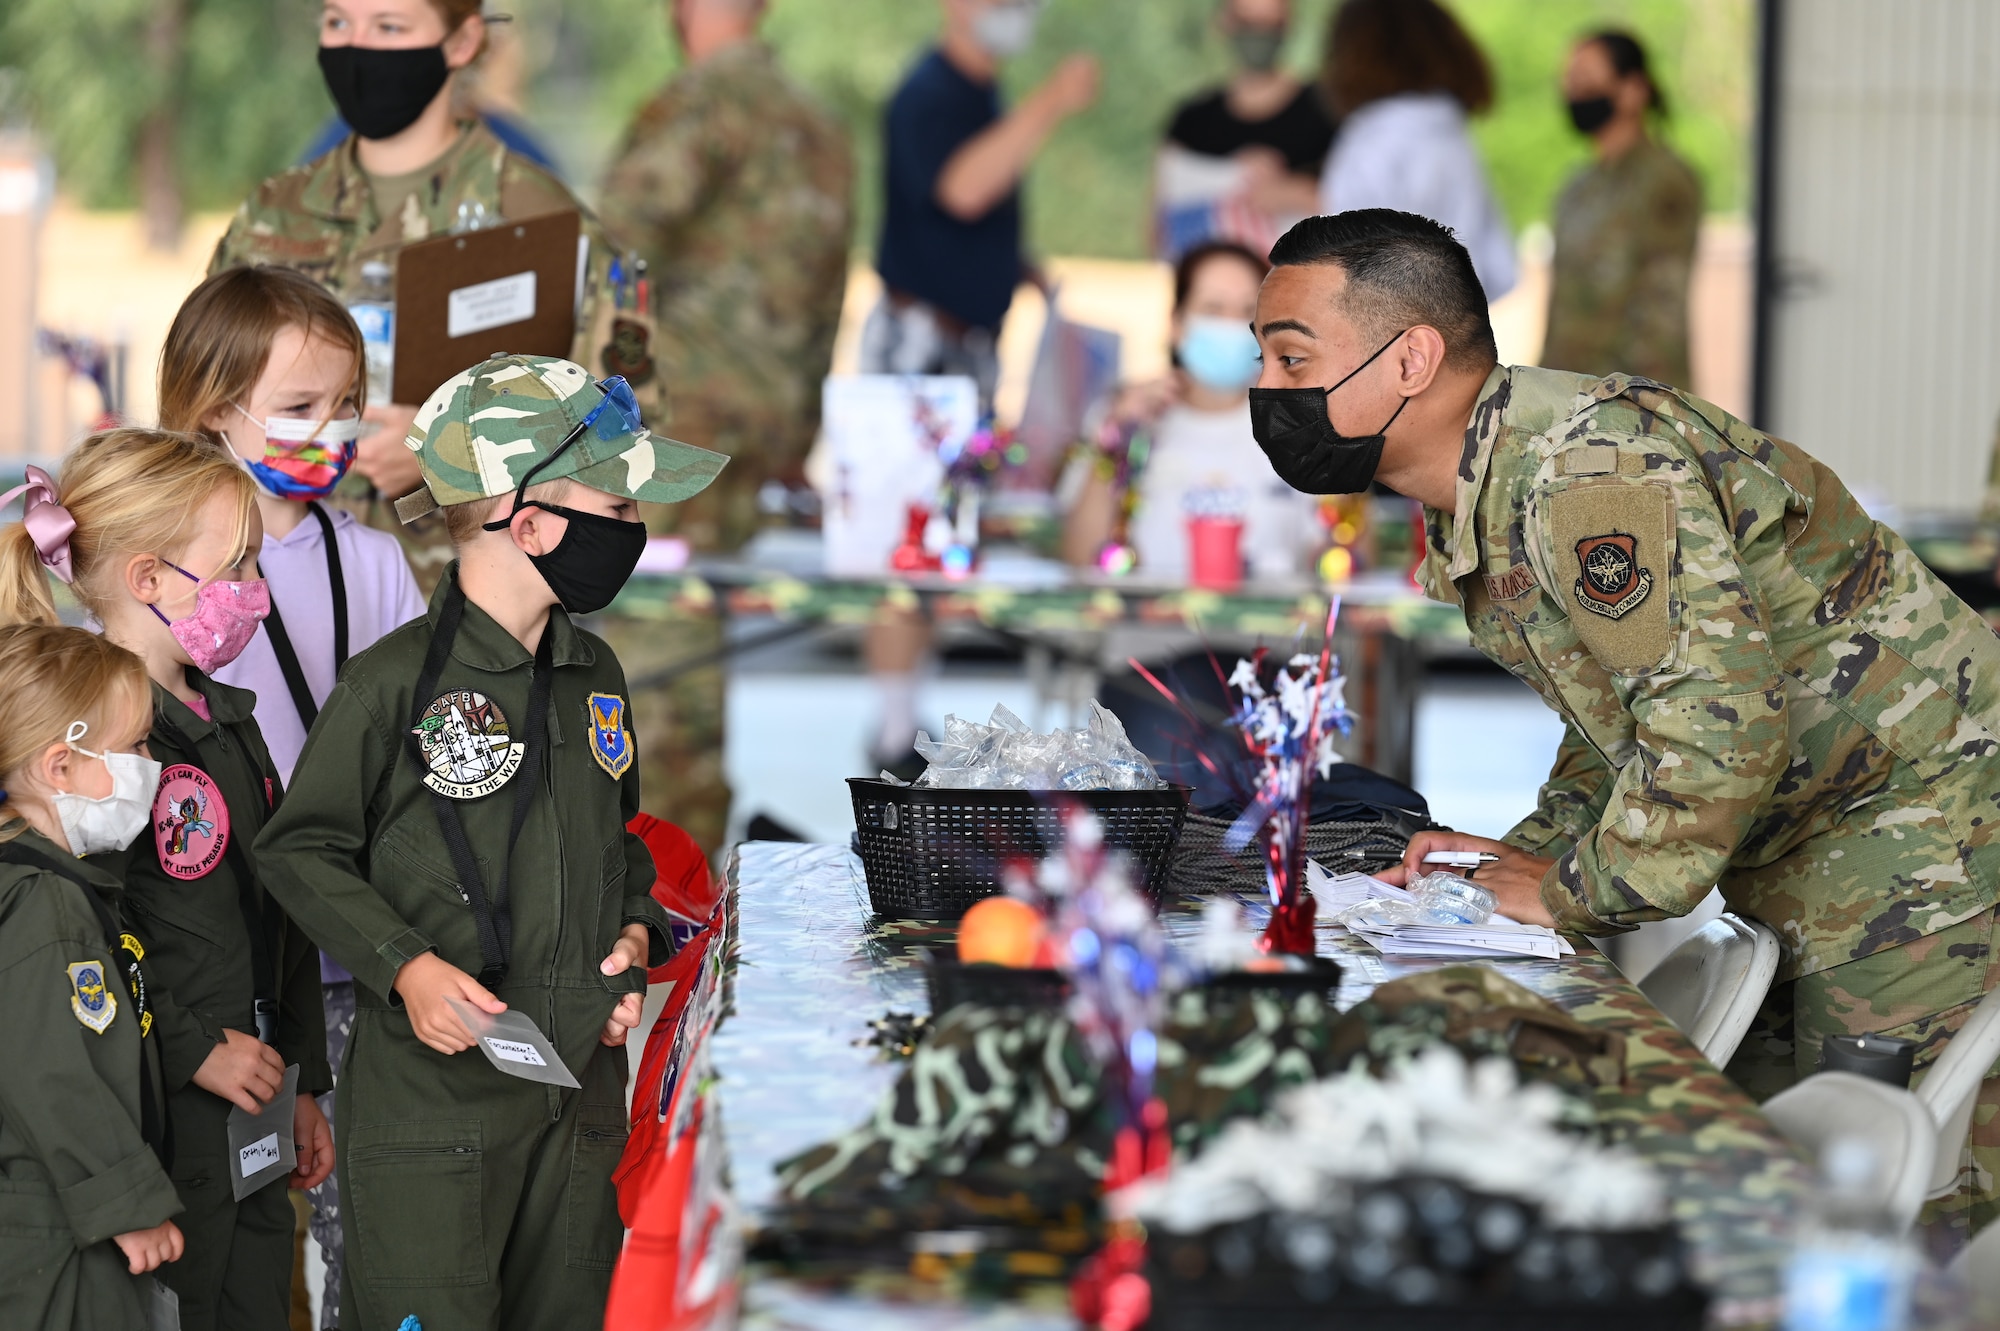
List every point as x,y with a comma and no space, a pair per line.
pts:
514,1044
507,288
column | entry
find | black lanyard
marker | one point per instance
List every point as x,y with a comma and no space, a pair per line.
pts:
154,1127
494,919
259,924
281,641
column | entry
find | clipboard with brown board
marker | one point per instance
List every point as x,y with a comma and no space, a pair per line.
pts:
509,288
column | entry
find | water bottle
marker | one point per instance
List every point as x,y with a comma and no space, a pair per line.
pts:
1853,1265
1450,899
374,311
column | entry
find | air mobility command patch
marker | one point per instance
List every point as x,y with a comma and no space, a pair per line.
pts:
90,998
190,823
610,741
1612,542
467,745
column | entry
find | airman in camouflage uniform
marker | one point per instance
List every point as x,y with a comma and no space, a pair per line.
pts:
1764,690
329,217
1625,234
737,190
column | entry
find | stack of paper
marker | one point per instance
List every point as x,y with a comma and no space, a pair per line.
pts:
1367,907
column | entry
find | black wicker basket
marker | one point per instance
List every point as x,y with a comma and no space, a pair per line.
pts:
952,982
932,853
1202,864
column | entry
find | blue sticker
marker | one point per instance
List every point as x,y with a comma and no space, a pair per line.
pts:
91,999
610,741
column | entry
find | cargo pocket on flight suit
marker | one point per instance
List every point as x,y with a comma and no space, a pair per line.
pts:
415,1190
595,1231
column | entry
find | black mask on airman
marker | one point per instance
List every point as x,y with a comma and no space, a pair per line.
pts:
1293,429
380,93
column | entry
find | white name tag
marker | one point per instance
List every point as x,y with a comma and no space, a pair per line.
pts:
504,300
515,1052
259,1155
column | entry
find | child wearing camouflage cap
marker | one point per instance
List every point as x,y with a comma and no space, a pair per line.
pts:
456,830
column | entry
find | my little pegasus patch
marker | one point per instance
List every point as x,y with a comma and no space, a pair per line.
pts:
190,823
467,745
1612,583
91,999
610,741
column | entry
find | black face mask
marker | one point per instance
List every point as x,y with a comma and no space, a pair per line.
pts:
1590,114
592,561
380,93
1292,427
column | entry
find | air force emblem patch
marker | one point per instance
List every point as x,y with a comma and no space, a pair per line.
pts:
610,741
90,998
1611,582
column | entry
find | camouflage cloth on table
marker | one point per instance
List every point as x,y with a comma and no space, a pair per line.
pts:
329,217
1481,1013
737,189
1764,688
1625,234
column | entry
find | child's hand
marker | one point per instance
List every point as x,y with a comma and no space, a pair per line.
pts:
423,983
622,1019
314,1140
145,1249
242,1070
634,942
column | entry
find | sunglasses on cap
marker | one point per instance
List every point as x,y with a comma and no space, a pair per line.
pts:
613,418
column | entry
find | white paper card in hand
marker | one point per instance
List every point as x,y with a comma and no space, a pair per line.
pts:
513,1043
163,1307
261,1149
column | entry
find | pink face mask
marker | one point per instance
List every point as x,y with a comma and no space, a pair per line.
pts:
225,618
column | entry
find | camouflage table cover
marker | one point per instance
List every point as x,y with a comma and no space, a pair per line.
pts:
815,969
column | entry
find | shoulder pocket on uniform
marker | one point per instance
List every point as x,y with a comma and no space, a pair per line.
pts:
1612,546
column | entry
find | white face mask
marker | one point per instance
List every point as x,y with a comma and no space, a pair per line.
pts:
1006,29
92,826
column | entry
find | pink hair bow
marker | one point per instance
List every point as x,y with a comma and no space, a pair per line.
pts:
48,522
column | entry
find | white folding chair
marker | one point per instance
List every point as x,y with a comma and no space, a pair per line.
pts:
1713,983
1828,1106
1952,1085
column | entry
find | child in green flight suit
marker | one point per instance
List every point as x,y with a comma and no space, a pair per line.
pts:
161,550
85,1206
456,830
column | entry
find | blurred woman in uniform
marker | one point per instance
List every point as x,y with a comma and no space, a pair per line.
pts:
1625,226
412,169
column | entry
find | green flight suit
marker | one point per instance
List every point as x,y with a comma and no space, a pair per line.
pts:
1765,691
185,901
74,1167
470,1198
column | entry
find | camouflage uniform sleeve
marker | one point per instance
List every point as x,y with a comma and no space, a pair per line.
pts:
231,250
1572,799
1676,638
659,176
1656,310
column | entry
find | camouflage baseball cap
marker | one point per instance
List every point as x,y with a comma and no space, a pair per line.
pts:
485,429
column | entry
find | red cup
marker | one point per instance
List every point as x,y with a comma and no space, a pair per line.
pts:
1215,553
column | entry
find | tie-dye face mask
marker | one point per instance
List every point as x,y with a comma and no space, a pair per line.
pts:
302,459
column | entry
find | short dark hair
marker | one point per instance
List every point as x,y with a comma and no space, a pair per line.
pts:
1628,58
1402,270
1380,48
1195,259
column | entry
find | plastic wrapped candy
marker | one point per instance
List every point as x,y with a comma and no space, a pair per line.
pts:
1007,754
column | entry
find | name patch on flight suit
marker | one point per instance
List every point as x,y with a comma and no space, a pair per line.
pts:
1612,543
190,823
467,744
90,998
610,741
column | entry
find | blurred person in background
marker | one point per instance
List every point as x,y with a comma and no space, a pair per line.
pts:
1625,226
1241,162
736,188
1402,75
950,254
413,169
950,257
1188,434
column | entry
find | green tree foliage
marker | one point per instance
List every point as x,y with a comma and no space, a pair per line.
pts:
246,94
